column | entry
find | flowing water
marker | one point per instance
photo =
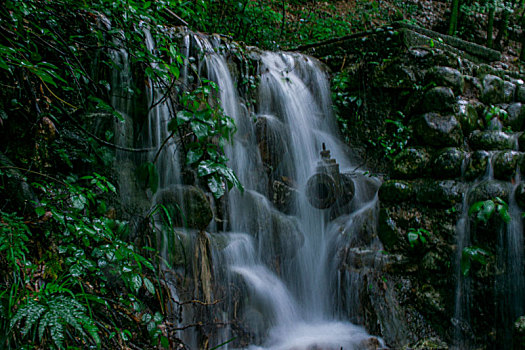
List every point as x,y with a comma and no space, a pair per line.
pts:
279,272
509,285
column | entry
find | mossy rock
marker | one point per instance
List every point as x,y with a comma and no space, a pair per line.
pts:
490,189
520,195
438,99
187,205
436,130
492,140
493,90
446,76
509,90
411,163
395,191
477,165
467,116
444,193
515,116
504,164
447,163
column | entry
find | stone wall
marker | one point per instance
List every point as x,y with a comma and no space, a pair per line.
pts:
464,120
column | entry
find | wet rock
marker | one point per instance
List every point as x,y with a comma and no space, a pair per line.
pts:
438,99
448,77
515,116
447,163
520,93
520,195
492,90
271,140
436,130
440,193
467,117
504,164
521,142
491,140
490,189
283,196
389,234
411,163
371,343
288,238
395,191
195,210
509,90
477,165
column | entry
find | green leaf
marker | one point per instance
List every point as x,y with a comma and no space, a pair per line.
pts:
136,282
200,129
216,186
194,155
412,238
149,285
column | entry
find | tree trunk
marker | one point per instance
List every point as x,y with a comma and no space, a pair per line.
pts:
490,26
503,30
453,18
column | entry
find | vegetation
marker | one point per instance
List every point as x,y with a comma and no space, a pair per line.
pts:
73,272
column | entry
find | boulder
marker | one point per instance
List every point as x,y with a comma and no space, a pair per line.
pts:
491,140
520,195
477,165
448,77
509,90
438,99
504,164
447,163
520,93
443,193
395,191
436,130
490,189
515,116
467,117
187,205
411,163
492,90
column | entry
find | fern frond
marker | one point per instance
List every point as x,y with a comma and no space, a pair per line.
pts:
31,312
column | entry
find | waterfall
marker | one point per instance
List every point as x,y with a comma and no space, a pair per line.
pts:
277,269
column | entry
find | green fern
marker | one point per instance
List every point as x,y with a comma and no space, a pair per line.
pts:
55,313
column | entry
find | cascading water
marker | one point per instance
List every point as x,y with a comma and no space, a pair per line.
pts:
508,283
294,309
283,267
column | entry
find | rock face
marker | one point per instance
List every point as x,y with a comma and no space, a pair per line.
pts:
187,205
437,130
466,140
